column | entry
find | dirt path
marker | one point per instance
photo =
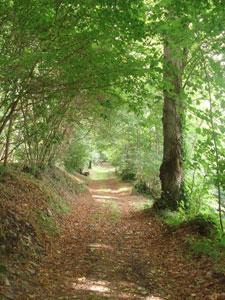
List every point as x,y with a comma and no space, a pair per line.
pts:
110,250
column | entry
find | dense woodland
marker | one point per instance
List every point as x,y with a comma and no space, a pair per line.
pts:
137,83
140,81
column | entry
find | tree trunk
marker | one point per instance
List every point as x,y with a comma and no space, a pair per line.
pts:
171,170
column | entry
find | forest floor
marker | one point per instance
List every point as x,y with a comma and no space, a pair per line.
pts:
110,249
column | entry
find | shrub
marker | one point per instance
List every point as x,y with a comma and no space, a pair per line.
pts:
76,157
173,218
142,187
204,224
214,248
127,174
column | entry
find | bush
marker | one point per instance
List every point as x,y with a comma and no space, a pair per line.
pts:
76,157
173,218
203,224
127,174
142,187
214,248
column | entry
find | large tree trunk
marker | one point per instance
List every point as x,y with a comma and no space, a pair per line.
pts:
171,170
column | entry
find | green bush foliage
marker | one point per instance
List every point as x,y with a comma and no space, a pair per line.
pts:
214,248
76,157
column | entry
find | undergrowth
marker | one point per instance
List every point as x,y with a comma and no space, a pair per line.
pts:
206,236
214,248
173,219
141,187
182,215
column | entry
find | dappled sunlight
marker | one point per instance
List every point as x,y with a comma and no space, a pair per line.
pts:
122,190
100,246
105,197
104,201
99,286
103,169
112,160
154,298
102,173
109,185
120,290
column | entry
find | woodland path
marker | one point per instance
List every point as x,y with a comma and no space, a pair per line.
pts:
109,249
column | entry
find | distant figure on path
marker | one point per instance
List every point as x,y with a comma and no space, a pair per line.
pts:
90,164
